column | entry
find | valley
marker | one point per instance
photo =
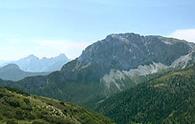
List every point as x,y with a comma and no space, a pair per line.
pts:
97,62
126,77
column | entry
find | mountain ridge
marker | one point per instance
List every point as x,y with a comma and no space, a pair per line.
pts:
14,73
33,63
166,99
124,53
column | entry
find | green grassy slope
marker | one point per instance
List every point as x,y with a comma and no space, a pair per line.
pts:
169,99
81,80
21,108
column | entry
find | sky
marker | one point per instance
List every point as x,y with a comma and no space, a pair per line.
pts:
47,28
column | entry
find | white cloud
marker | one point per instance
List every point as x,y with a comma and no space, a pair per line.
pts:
184,34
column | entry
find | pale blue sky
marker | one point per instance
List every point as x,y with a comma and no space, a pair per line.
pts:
50,27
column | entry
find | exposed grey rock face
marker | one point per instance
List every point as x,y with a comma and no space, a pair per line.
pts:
120,57
128,51
117,78
109,66
132,50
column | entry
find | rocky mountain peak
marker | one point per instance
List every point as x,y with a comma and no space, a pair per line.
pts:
31,57
124,52
108,66
130,50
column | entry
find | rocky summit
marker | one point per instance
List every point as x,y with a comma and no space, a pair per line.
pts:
118,62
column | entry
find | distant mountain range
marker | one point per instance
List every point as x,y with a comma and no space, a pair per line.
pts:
14,73
32,63
109,66
129,77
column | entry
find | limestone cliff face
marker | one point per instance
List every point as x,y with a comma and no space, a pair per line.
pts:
109,66
128,51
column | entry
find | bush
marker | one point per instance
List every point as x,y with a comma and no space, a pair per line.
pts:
38,122
20,115
62,103
1,95
23,115
12,122
18,91
27,101
1,118
12,102
8,114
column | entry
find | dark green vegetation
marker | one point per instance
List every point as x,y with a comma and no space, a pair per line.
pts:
81,81
17,107
168,99
106,68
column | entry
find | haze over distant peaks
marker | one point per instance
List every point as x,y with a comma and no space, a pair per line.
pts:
121,62
32,63
31,66
110,66
14,73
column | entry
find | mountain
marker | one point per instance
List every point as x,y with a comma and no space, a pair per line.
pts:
32,63
109,66
17,107
14,73
168,99
3,63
